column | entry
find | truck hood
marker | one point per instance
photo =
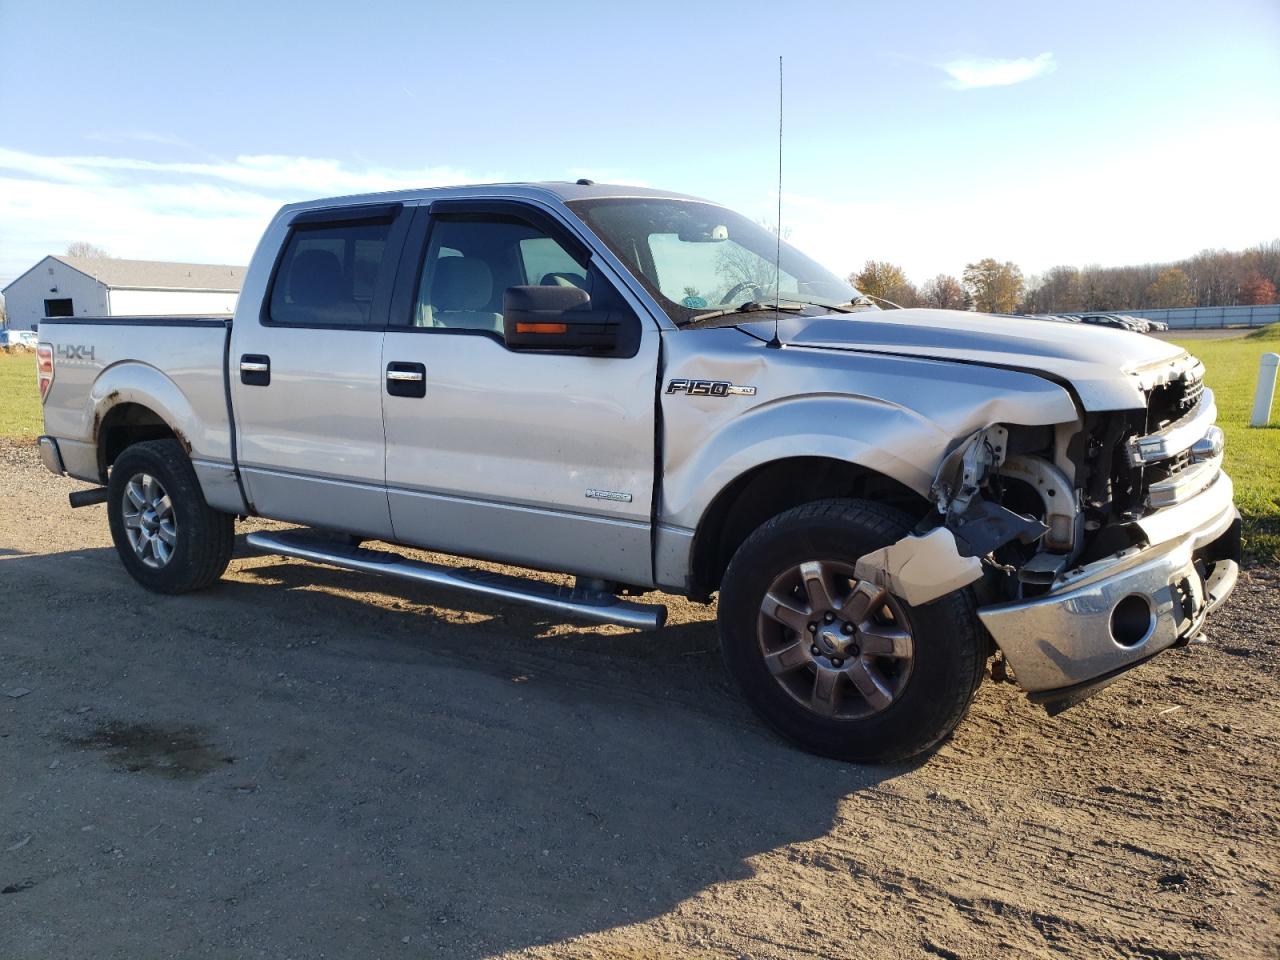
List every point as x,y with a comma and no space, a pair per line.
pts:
1108,369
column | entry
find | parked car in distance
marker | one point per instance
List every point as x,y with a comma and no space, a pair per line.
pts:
1118,321
25,338
604,381
1055,317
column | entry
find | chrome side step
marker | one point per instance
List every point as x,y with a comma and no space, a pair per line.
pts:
594,605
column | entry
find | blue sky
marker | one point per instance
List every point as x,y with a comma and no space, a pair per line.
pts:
930,134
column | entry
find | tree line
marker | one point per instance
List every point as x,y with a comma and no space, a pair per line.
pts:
1211,278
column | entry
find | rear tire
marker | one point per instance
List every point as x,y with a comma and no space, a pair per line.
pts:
169,539
853,673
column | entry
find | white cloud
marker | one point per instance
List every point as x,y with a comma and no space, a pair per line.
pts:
198,211
966,73
137,136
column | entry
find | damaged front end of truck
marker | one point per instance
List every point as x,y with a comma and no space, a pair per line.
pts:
1091,547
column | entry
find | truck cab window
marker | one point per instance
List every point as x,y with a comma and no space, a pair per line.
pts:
327,275
471,261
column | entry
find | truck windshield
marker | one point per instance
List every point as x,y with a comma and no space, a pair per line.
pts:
695,257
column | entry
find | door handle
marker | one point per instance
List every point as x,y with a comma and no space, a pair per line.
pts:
255,370
406,379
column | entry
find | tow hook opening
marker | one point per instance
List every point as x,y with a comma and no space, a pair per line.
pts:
1132,620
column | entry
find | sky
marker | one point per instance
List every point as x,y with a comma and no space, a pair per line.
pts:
929,134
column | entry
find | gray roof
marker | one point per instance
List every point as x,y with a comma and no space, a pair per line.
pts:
159,274
545,190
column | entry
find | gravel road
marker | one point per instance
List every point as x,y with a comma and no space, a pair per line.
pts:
305,763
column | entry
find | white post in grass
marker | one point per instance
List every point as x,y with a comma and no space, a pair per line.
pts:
1266,391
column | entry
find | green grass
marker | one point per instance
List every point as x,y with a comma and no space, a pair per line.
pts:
20,414
1253,453
1252,459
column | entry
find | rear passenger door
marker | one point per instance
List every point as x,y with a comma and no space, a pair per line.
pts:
538,458
307,372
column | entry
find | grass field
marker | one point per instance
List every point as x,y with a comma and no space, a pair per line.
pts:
1253,454
19,396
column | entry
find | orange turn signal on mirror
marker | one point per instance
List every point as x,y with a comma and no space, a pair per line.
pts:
542,328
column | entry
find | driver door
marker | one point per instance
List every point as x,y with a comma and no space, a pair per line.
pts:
528,457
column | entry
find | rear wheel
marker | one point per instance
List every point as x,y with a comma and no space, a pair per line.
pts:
169,539
835,663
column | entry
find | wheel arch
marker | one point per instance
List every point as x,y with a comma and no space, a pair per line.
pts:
133,402
125,424
771,488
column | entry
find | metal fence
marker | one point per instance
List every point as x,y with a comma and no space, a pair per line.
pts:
1207,318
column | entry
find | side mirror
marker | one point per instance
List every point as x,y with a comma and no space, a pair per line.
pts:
556,318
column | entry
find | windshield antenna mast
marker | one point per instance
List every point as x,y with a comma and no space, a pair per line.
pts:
777,259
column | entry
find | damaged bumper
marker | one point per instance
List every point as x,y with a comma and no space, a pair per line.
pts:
1102,619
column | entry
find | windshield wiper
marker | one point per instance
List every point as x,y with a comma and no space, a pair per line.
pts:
755,306
847,307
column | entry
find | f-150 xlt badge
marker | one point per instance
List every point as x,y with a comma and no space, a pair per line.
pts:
709,388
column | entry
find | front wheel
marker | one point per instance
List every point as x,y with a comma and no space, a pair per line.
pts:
835,663
169,539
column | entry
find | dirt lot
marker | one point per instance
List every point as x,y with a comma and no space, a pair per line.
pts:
303,763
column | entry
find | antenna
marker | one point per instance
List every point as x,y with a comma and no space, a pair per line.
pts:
777,257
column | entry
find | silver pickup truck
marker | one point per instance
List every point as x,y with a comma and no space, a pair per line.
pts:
636,388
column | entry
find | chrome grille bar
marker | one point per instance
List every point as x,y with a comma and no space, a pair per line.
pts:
1177,437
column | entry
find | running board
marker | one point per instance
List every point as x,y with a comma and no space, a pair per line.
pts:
594,605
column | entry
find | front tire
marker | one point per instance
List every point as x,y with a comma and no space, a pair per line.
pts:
169,539
833,663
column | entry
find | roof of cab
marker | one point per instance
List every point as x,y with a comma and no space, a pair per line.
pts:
553,190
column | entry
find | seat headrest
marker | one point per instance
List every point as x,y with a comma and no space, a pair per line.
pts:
315,279
561,278
461,283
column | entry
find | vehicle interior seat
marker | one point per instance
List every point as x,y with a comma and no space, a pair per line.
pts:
461,289
565,279
319,291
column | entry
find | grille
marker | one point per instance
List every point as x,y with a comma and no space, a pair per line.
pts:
1165,470
1172,401
1167,403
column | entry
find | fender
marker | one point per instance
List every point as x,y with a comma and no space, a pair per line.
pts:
132,381
208,444
874,434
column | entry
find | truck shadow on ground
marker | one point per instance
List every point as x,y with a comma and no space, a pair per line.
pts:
422,765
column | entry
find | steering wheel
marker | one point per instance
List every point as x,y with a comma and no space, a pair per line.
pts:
739,287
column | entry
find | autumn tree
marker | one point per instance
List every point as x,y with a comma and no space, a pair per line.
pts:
87,250
1214,278
1172,288
1057,290
886,281
1257,289
995,287
944,292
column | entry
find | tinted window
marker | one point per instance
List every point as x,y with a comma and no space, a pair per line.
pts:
472,260
327,275
543,259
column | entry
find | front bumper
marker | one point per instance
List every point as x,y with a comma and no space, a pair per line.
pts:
1068,643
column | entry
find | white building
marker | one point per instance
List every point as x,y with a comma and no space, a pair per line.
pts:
109,287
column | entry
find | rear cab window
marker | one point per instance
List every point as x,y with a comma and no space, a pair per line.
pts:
330,272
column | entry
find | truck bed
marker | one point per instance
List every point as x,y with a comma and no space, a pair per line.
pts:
106,368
